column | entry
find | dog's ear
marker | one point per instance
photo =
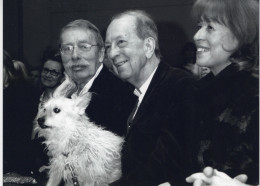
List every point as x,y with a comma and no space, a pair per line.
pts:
67,87
82,101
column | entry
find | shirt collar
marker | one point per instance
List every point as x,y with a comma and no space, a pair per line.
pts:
141,92
89,84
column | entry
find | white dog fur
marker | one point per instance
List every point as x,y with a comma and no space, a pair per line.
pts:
74,142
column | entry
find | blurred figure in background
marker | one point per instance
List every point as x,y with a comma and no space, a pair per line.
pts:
51,75
22,71
19,108
35,76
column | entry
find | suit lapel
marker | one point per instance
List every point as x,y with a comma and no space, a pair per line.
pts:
99,81
158,77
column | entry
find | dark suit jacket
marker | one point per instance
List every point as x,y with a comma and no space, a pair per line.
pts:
111,103
156,144
20,105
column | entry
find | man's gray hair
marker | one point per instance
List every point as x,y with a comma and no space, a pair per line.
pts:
81,23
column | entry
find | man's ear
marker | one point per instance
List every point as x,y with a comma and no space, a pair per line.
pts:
149,46
101,54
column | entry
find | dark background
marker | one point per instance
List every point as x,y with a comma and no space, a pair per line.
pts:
29,26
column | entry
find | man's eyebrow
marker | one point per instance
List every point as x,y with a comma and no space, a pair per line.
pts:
79,42
66,44
84,41
116,38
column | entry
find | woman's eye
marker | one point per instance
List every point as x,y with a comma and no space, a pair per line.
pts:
209,27
199,24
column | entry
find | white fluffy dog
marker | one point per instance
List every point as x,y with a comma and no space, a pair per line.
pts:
82,153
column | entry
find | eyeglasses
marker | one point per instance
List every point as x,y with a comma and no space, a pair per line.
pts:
52,72
83,47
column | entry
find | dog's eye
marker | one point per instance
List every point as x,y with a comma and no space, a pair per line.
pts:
56,110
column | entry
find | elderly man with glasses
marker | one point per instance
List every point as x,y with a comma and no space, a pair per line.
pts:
82,52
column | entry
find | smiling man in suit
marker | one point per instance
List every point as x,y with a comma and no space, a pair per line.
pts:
159,131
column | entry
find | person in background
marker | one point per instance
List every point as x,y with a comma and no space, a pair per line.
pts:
159,130
19,108
35,76
189,61
51,75
227,42
21,69
82,52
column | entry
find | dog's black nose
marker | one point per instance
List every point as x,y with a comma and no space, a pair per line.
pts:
41,123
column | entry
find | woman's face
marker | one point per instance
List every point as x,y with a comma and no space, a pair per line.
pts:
215,44
51,74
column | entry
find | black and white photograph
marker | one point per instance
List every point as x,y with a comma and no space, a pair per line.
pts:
130,93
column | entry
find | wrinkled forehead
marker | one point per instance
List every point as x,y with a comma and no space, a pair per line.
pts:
121,27
123,22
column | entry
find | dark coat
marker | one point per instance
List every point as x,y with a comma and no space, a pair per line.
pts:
154,151
112,102
19,108
230,126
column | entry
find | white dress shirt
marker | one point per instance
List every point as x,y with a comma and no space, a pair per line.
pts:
88,85
140,93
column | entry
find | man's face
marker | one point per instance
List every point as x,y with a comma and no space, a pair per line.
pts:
51,74
125,49
80,65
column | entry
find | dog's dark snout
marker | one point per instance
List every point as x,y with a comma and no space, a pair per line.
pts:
41,122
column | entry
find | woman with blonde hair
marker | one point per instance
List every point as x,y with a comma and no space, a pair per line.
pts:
227,43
